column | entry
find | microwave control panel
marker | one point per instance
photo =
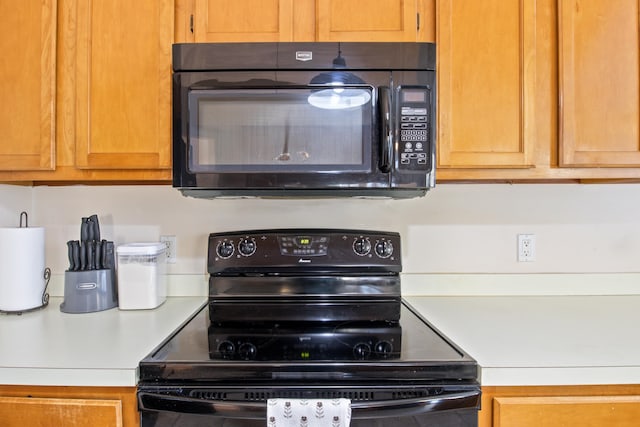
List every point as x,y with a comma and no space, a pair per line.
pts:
414,129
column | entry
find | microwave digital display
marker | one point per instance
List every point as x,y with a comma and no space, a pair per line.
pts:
410,95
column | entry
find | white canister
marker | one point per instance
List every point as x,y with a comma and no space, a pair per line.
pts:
22,268
141,275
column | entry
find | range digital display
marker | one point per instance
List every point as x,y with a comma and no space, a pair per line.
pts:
304,241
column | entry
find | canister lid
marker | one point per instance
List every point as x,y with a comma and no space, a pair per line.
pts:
141,248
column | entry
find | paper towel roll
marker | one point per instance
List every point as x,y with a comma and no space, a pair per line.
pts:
22,267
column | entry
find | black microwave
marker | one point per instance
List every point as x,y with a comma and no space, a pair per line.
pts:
304,119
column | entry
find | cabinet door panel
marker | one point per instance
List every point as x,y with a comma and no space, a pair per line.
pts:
584,411
376,20
599,83
243,20
27,84
487,83
123,84
44,412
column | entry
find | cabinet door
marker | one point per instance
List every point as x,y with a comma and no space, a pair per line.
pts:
243,20
599,83
44,412
375,20
584,411
123,86
487,83
27,84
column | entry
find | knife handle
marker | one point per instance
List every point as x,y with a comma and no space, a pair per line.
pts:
98,256
83,256
95,227
108,254
75,248
70,255
84,230
91,265
103,253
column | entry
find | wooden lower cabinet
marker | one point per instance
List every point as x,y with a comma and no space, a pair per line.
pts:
550,406
39,406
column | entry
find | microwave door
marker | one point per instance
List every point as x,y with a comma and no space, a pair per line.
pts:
277,131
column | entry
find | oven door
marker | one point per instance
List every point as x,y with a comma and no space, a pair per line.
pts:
435,406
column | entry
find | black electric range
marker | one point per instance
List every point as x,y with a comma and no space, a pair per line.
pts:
290,316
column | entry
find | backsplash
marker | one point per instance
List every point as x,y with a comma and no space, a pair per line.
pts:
455,229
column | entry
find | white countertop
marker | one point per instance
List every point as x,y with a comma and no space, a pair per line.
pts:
517,340
48,347
543,340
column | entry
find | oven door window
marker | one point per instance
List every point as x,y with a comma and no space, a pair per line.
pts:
280,130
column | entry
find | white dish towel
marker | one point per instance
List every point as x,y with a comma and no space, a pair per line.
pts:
308,412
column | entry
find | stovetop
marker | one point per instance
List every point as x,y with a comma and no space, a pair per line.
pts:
418,353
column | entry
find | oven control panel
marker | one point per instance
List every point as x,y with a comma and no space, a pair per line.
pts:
319,343
328,250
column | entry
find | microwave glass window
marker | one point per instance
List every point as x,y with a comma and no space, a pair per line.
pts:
275,130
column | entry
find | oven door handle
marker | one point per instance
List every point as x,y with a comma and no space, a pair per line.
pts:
258,411
418,406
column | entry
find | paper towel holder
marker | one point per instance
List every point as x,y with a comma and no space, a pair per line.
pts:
46,277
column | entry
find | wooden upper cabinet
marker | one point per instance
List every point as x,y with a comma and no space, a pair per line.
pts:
27,84
243,20
599,72
487,83
374,20
123,84
311,20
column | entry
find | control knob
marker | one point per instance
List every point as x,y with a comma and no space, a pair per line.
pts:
225,249
383,349
247,351
226,349
361,351
247,246
362,246
384,248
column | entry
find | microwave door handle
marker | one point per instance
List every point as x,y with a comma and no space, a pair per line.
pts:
258,411
386,135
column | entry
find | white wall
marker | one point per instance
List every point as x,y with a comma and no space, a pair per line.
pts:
13,200
456,228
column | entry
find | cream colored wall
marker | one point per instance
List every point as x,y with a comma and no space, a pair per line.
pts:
457,228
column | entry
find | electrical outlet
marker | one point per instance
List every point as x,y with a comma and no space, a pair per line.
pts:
526,247
170,251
